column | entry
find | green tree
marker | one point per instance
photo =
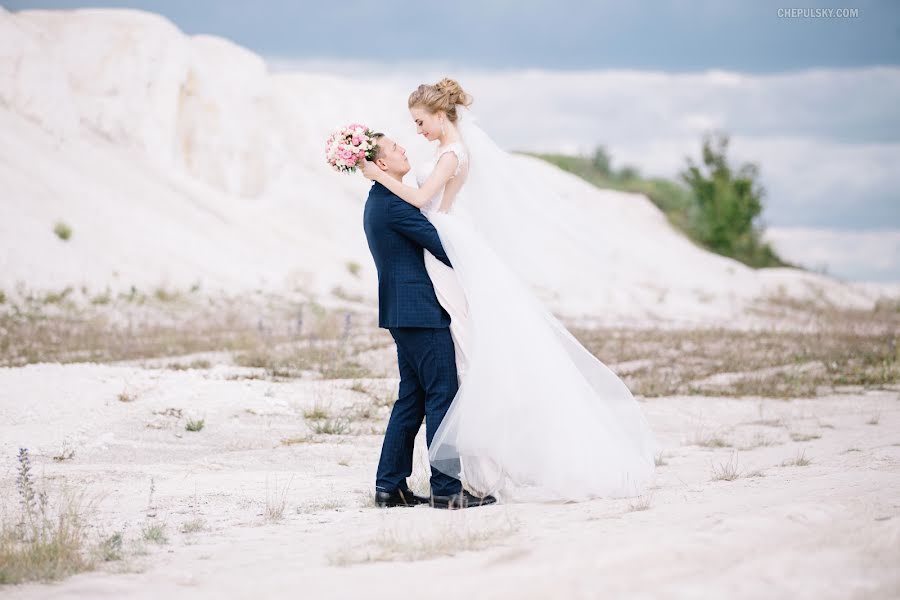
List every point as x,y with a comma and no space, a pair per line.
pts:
628,173
601,160
728,204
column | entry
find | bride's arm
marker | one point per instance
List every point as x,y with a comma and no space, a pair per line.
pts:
418,197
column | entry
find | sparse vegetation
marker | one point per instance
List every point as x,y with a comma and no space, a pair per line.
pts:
769,422
727,471
360,388
111,548
276,501
135,326
47,537
194,424
330,359
66,453
339,292
164,295
849,348
297,439
57,297
798,461
314,507
707,439
62,230
194,364
759,440
337,426
447,539
642,503
169,412
354,268
316,413
194,525
154,531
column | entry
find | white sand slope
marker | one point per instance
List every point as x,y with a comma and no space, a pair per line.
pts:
178,160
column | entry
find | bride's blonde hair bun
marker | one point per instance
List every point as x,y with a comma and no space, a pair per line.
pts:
444,95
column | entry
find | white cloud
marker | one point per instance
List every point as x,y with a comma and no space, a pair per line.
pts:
861,255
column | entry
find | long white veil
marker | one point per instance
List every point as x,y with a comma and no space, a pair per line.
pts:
536,416
509,206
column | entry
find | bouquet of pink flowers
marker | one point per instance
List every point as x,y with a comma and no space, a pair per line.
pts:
347,146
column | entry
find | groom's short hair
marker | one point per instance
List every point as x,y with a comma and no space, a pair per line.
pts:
377,136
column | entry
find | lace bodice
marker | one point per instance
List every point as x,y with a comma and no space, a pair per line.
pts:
455,183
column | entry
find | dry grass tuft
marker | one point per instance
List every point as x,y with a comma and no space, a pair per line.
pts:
194,525
708,439
411,544
727,471
154,531
338,426
759,440
276,501
194,425
642,503
798,461
47,538
126,396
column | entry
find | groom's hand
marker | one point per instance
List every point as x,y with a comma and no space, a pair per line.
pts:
369,169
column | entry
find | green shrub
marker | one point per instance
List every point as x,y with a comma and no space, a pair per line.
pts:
713,204
62,231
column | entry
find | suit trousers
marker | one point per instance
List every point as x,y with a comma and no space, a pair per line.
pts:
428,384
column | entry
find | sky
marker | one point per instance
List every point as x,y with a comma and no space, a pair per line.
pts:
813,100
667,35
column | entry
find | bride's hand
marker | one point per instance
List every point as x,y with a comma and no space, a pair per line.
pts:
369,170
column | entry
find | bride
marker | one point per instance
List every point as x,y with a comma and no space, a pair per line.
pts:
537,417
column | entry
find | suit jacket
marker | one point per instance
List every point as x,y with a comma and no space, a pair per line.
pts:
397,232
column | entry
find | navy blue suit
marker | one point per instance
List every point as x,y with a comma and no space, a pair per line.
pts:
398,233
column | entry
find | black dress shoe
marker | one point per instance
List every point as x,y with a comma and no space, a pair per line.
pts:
463,499
398,498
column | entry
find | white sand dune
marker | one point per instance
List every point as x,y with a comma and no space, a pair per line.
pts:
178,160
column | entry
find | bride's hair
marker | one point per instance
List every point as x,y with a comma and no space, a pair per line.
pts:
444,95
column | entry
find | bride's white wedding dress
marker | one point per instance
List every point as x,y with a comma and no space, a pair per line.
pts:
537,416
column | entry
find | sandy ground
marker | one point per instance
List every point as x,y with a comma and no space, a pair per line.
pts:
828,529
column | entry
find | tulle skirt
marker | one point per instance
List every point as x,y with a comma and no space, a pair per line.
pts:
537,417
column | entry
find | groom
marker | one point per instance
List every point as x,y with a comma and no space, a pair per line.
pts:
397,233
